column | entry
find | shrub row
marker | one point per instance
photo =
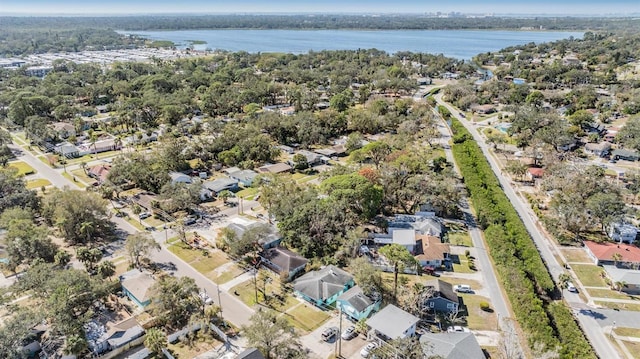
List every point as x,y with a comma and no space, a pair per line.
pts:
524,275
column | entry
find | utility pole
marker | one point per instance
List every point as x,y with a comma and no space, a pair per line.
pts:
219,301
340,334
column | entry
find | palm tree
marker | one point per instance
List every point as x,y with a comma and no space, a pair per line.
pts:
399,257
155,340
620,285
87,228
563,281
106,269
617,257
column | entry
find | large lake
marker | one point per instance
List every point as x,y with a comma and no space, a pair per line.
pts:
462,44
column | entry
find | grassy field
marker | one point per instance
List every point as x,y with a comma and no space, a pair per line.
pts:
82,176
203,261
22,167
460,239
38,183
589,275
70,177
628,332
576,255
229,273
612,294
201,344
478,319
306,317
463,267
620,306
634,348
248,193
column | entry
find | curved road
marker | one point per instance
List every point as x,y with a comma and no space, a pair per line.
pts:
546,247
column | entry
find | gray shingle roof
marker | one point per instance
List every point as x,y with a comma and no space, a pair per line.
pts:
283,258
452,345
323,283
356,298
392,321
444,289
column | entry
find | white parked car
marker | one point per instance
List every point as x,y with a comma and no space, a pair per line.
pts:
368,349
457,329
349,333
462,288
206,299
572,288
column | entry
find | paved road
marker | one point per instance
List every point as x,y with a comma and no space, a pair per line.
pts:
500,304
233,309
594,333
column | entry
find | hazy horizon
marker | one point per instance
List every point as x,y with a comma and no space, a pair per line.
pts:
202,7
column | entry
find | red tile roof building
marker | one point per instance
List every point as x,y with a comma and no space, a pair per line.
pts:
602,253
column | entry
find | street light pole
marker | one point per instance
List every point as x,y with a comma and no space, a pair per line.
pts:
219,301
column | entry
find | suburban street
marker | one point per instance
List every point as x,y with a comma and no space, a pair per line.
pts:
500,304
546,247
233,309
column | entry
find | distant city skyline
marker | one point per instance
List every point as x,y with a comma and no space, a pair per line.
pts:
124,7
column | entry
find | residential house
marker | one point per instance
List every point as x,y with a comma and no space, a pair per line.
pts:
623,232
392,323
452,345
610,135
624,154
422,222
281,260
67,150
598,149
323,287
603,253
178,177
99,172
534,173
313,159
431,252
250,353
136,285
355,304
629,277
566,144
221,184
103,145
245,177
275,168
444,299
148,201
63,130
483,109
327,152
286,149
140,139
102,109
269,236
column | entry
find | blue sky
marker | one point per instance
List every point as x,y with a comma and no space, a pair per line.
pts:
38,7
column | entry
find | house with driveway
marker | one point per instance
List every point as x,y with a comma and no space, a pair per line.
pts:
323,287
357,305
137,286
607,252
443,298
283,261
452,345
392,323
431,252
629,278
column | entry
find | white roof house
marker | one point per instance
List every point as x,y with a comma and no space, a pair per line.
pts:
177,177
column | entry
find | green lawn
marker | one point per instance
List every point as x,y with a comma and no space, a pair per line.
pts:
576,255
248,193
306,317
204,261
478,319
37,183
628,332
82,176
608,293
22,167
70,177
620,306
463,267
460,239
230,273
634,348
589,275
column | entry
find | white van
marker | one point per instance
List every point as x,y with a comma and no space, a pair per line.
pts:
462,288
